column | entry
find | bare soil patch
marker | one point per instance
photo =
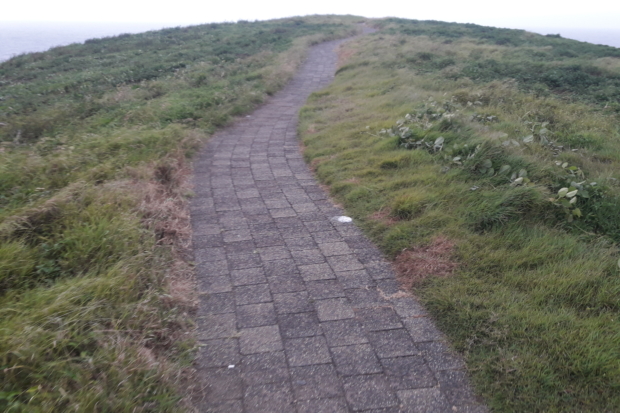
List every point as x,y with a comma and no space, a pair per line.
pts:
384,216
433,260
344,55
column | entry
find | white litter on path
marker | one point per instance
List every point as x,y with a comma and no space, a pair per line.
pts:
343,219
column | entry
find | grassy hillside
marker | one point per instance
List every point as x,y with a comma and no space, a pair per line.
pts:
94,142
486,163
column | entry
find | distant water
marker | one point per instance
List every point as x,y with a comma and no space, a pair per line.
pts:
609,37
25,37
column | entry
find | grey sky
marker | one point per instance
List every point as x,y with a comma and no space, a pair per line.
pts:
515,14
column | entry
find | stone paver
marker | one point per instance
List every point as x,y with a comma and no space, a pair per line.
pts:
299,312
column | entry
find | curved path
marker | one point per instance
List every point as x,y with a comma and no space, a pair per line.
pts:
299,312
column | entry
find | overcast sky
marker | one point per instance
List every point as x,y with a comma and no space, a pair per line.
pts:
596,14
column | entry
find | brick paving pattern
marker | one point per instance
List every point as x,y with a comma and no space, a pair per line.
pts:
299,312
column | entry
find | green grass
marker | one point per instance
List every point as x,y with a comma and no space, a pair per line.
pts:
534,303
94,150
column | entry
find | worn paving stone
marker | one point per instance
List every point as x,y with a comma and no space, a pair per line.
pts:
334,309
275,240
326,236
393,409
356,359
364,297
393,343
369,392
429,400
315,272
439,356
297,302
308,256
322,289
256,315
344,262
212,269
273,253
280,268
299,312
252,294
378,318
269,375
407,307
291,232
236,236
262,361
307,351
209,254
410,372
299,325
213,326
422,329
368,255
228,406
260,340
319,226
241,247
335,248
344,332
214,285
379,270
355,279
455,387
241,261
268,398
218,353
299,244
216,303
248,276
286,284
207,241
389,288
336,405
316,382
282,212
223,384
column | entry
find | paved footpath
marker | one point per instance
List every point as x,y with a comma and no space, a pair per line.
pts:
300,312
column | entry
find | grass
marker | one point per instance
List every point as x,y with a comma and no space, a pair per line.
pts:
95,143
533,303
431,131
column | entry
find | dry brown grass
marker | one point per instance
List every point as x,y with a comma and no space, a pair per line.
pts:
608,63
165,208
345,52
384,216
433,260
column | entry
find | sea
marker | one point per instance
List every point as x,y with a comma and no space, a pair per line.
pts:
609,37
24,37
